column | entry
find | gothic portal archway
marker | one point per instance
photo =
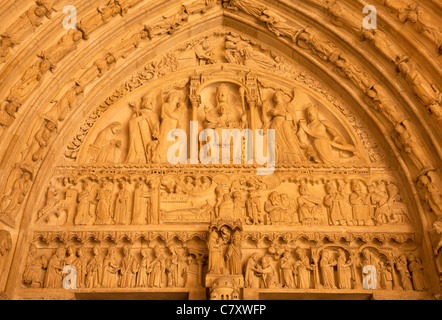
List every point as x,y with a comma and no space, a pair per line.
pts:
87,178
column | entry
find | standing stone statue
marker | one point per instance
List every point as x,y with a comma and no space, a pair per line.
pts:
122,213
216,261
234,255
327,269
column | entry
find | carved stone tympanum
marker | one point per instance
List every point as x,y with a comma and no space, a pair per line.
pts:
220,150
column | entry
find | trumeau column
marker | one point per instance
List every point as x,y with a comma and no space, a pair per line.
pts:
88,183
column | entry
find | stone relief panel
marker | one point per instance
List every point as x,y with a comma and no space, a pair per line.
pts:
140,197
222,42
225,259
306,132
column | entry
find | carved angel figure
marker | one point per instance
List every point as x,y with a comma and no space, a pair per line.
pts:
241,52
8,109
246,6
105,13
278,25
26,24
66,44
281,117
106,147
171,117
424,24
69,101
40,142
169,24
31,80
324,139
322,48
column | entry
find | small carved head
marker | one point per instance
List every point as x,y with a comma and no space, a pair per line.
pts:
26,176
61,253
392,190
435,109
274,197
222,93
303,188
76,34
40,11
265,262
32,249
424,180
279,97
412,16
403,67
96,250
305,36
330,188
51,126
312,112
45,65
254,256
355,186
437,225
190,259
110,59
126,250
116,128
71,251
12,108
341,253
